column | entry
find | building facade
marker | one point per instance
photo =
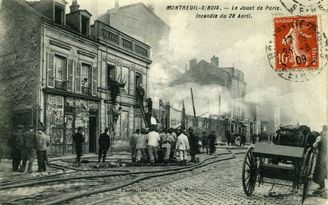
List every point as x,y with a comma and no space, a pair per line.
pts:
228,78
131,18
56,68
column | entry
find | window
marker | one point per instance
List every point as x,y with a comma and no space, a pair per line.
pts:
138,80
85,25
70,75
78,77
59,14
60,72
86,80
110,74
125,78
60,68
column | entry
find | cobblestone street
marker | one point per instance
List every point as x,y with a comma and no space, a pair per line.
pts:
219,183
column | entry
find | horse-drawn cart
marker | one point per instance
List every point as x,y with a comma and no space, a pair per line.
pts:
276,161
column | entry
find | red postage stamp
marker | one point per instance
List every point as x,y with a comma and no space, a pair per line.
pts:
296,43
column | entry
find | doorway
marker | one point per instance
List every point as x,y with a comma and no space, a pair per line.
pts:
92,133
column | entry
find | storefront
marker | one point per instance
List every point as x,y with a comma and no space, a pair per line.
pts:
64,115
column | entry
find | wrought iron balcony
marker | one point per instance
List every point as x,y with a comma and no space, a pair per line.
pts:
86,90
62,85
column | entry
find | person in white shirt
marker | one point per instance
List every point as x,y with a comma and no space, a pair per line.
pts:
141,145
182,146
167,140
153,143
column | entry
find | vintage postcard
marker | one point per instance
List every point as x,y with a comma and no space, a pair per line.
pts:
163,101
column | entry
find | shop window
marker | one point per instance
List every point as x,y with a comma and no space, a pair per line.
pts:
59,14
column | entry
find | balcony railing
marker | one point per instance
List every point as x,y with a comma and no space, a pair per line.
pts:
62,85
86,90
119,39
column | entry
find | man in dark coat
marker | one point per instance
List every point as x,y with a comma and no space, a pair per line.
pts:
104,144
243,139
320,171
78,139
193,142
228,136
204,142
211,142
29,149
140,92
16,143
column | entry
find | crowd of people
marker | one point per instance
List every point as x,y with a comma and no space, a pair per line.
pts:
235,139
161,145
26,144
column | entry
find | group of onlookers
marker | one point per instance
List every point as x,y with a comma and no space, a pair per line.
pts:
26,144
161,145
236,139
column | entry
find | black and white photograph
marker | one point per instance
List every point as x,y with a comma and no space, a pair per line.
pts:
168,102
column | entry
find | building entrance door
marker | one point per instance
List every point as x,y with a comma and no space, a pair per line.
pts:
92,133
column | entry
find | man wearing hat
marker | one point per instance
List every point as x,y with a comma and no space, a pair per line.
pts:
78,140
16,143
43,141
104,144
29,149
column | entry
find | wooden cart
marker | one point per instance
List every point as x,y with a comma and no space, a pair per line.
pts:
273,161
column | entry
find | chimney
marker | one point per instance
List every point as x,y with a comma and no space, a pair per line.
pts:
151,8
215,61
192,63
75,6
117,5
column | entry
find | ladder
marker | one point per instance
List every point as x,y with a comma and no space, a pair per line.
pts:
143,113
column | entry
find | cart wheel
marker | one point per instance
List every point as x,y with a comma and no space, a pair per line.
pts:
307,172
249,173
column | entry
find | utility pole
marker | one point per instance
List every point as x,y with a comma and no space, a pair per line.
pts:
194,121
193,104
219,104
183,121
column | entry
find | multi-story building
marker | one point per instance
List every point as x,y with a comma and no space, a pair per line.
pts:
253,119
229,78
56,70
131,18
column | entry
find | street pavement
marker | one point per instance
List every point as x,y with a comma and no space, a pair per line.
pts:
216,184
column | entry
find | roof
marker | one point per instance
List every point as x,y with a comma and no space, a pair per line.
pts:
114,10
204,73
33,11
80,10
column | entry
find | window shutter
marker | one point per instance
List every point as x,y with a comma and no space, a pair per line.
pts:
70,75
78,77
50,69
94,80
64,67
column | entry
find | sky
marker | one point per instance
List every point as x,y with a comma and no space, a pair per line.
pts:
237,42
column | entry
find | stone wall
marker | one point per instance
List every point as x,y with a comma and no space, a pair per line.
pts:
19,60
